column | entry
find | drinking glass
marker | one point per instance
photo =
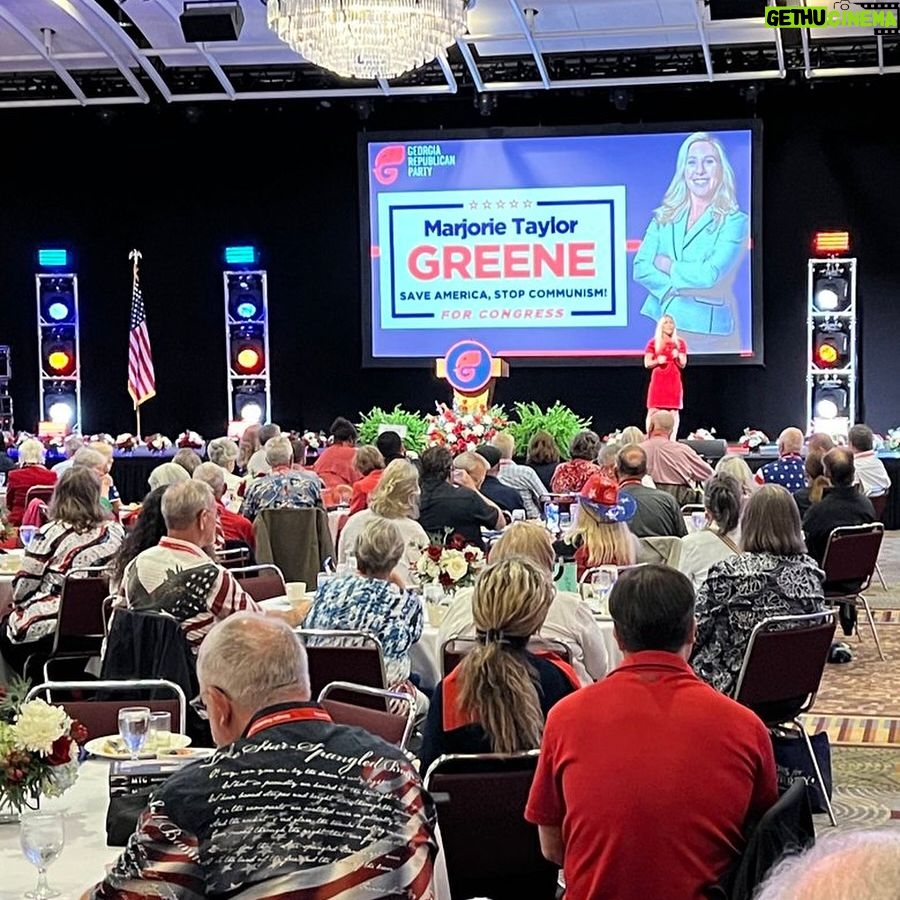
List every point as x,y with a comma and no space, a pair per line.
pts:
601,584
160,731
134,726
42,836
26,534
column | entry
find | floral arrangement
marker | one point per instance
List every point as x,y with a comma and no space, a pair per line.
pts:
892,439
190,439
704,434
415,424
459,432
313,439
125,441
23,436
753,438
39,749
53,441
559,421
157,442
101,438
452,566
614,437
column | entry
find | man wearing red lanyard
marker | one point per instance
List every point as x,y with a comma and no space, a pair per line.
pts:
291,805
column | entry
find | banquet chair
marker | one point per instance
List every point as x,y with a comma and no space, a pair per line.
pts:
261,581
234,557
690,508
490,850
879,502
42,492
781,673
101,717
395,728
345,655
453,651
851,555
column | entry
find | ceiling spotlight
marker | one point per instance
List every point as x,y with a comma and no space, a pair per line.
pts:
620,99
831,294
60,413
485,103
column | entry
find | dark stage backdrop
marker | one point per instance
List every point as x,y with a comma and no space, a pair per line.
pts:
181,183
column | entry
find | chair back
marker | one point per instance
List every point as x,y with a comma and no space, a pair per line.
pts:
81,606
783,665
354,656
337,495
39,492
690,508
233,557
101,717
261,582
851,554
453,651
393,727
298,541
490,850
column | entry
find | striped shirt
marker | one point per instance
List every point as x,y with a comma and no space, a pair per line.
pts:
55,549
177,577
524,479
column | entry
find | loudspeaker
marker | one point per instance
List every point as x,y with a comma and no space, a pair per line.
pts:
213,21
736,9
711,451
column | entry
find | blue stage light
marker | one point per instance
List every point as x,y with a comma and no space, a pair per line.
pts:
246,309
53,258
240,256
58,311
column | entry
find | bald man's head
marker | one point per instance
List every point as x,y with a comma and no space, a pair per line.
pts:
662,421
790,441
632,462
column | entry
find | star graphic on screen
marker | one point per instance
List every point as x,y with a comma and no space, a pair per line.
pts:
473,204
500,204
514,204
486,204
527,204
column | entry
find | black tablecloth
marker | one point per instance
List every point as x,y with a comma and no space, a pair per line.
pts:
130,472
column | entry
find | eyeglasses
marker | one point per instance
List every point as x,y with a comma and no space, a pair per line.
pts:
199,705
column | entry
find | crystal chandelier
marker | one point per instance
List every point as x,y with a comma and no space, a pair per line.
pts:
368,38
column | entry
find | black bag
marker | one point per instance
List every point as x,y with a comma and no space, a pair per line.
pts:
123,814
792,762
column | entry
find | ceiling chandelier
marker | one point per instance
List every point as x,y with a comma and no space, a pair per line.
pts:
368,38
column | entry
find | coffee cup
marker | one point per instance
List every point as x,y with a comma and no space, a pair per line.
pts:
295,591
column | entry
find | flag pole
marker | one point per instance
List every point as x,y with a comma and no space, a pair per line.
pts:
135,255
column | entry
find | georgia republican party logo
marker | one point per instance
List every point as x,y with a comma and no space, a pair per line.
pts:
387,163
468,366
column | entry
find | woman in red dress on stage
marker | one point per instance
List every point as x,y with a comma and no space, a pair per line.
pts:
665,356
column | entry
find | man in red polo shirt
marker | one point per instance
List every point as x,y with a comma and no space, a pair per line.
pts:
648,779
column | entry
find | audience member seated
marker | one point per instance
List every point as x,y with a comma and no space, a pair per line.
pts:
373,599
491,487
335,464
871,474
370,464
149,527
188,459
358,820
570,476
816,482
447,508
396,498
819,442
522,478
390,446
600,531
674,467
257,464
736,466
93,458
234,526
496,699
285,487
787,470
721,537
569,619
543,456
707,772
247,447
31,472
179,577
658,513
772,576
632,434
72,443
223,451
856,865
167,473
78,535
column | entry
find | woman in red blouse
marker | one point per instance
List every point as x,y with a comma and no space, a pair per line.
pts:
570,476
31,472
665,356
336,464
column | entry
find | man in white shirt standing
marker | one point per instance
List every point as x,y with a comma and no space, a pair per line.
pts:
523,478
870,470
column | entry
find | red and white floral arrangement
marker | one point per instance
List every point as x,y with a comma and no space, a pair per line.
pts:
459,432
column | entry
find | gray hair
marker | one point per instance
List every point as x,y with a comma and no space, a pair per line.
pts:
256,660
379,547
72,444
279,451
89,459
167,473
213,475
470,461
31,451
860,864
790,440
183,502
736,466
221,450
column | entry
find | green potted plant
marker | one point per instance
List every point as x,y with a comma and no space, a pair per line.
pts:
558,420
414,423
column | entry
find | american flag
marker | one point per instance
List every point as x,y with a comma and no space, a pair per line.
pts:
141,378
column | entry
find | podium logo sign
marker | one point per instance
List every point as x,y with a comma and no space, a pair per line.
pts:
468,366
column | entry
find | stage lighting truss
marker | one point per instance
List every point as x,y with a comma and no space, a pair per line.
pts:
247,345
832,346
59,350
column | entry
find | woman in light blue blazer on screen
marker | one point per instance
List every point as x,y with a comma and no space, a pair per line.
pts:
693,246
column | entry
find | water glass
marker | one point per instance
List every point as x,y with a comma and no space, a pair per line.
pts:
26,534
42,836
698,520
160,731
602,582
518,515
134,728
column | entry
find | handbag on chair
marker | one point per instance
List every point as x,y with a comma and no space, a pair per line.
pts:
792,762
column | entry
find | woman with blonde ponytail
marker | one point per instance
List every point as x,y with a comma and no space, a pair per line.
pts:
496,699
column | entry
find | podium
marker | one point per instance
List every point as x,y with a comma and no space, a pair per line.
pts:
471,372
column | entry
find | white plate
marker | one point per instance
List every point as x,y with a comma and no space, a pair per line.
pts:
277,603
99,747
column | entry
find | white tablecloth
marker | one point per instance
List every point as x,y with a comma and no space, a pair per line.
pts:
85,856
